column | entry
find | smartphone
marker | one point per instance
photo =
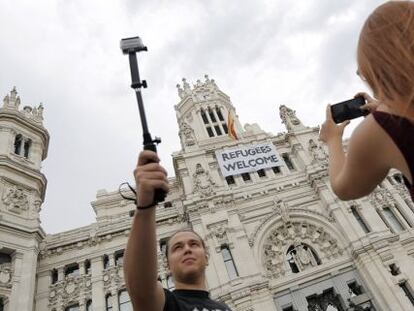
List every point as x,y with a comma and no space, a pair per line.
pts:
348,110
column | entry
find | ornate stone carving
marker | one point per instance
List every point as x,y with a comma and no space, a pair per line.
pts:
16,200
219,231
319,155
201,90
203,183
296,233
187,134
113,277
381,197
69,289
282,209
5,275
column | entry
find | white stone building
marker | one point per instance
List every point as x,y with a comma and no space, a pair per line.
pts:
278,238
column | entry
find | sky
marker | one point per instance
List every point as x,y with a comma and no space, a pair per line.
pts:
263,53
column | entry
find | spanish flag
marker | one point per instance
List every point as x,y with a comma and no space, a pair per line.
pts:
230,125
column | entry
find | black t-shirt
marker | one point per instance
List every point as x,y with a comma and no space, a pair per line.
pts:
191,300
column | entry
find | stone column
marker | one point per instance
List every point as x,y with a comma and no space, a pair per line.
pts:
98,294
24,277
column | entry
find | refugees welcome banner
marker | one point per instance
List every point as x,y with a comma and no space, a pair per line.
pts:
247,159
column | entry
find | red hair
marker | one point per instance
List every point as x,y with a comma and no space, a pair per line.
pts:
386,52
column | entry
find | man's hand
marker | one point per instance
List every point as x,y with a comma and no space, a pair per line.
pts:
149,175
331,131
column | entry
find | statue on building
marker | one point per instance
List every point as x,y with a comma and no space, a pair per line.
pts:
12,101
203,183
301,256
187,134
180,90
319,155
288,117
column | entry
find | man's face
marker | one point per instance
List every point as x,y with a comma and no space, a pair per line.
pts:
187,258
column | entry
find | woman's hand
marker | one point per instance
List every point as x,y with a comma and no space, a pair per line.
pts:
371,103
330,130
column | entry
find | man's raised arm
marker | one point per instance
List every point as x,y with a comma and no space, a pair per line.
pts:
140,261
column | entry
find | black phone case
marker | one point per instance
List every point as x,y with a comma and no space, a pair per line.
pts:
348,110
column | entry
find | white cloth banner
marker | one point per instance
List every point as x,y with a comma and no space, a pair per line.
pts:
247,159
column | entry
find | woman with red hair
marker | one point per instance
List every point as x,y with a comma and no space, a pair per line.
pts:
385,138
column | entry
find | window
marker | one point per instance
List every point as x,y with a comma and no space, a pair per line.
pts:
106,261
391,221
261,173
407,291
276,169
212,116
167,204
72,270
288,162
108,300
226,130
124,301
54,276
355,289
18,143
1,304
89,305
27,145
230,180
218,130
229,262
204,116
360,220
210,131
290,308
219,114
119,258
87,266
4,258
246,176
74,307
398,178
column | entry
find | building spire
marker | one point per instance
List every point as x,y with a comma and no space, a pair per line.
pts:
289,119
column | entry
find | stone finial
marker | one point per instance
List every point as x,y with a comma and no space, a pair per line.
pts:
289,118
11,101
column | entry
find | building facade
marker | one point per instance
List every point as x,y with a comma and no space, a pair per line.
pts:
278,238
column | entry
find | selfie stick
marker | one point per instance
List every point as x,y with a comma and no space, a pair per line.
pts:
131,46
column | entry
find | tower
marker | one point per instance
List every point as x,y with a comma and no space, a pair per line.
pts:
23,146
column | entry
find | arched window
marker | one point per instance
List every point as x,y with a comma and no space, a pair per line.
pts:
108,301
18,143
229,262
301,256
124,301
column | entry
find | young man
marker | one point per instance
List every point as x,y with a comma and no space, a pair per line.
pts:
186,253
